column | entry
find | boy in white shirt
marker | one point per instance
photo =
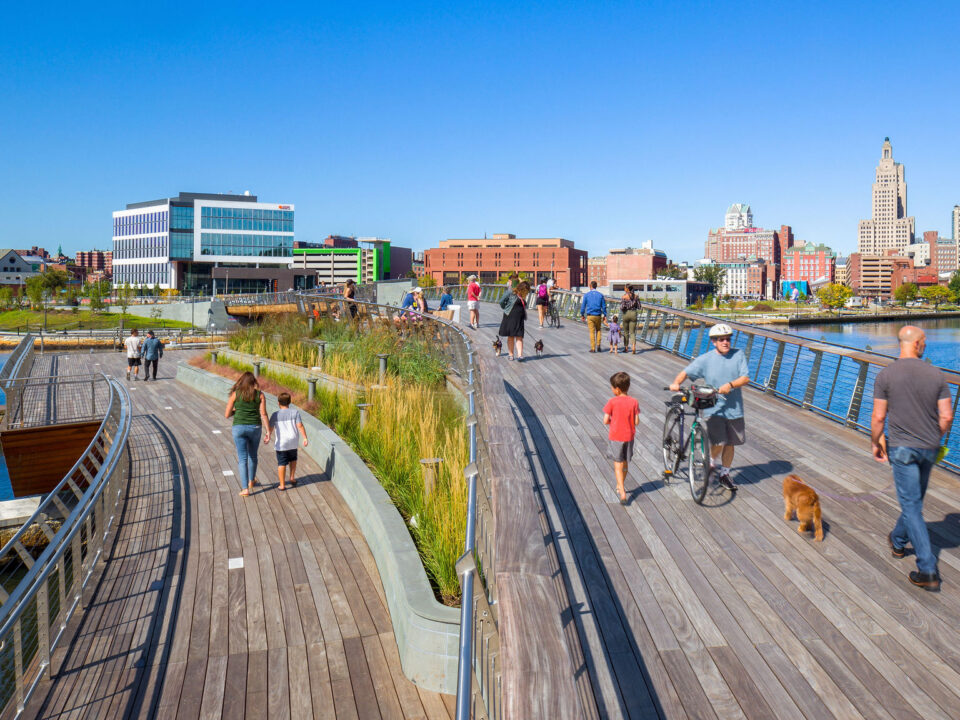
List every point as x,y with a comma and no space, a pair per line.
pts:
287,428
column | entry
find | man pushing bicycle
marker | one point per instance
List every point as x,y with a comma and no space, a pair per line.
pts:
725,368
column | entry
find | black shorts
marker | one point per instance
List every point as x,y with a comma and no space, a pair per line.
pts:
621,451
133,362
543,300
726,431
285,457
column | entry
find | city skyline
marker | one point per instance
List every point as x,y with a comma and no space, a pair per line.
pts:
426,123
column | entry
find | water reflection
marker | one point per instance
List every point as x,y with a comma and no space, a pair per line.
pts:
943,338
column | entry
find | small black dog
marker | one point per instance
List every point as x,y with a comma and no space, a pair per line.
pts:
538,346
497,346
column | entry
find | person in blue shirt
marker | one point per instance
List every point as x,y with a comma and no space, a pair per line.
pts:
593,309
408,299
726,369
446,299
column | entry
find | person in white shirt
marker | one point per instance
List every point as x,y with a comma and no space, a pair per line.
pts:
133,345
287,427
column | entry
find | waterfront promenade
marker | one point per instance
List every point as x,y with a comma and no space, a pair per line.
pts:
301,630
721,610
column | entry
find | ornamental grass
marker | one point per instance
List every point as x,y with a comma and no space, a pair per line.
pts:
413,417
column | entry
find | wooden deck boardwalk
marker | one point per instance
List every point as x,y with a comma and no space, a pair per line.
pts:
301,630
721,610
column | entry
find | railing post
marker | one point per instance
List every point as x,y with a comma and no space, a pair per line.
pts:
256,368
775,370
646,324
363,415
749,348
18,664
856,399
310,323
430,466
383,368
43,627
93,396
662,328
311,389
681,325
811,390
321,352
699,341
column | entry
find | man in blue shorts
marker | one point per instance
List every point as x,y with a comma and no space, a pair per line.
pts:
724,368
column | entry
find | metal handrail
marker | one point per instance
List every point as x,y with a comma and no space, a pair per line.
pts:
478,675
41,593
17,363
825,378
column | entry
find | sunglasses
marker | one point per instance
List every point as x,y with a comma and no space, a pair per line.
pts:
722,339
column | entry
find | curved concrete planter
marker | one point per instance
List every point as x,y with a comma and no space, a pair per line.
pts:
427,632
328,381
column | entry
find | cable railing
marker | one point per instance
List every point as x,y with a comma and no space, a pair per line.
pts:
479,671
46,565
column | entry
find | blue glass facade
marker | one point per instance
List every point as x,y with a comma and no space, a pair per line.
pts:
181,245
141,224
227,218
141,274
247,244
181,218
141,247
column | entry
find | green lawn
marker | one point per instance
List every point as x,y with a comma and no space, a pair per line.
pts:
80,320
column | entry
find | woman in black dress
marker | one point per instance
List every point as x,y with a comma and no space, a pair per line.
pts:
514,314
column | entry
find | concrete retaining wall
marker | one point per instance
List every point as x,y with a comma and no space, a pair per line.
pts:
427,632
275,366
201,313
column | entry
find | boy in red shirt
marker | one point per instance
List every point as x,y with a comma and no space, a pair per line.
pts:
622,414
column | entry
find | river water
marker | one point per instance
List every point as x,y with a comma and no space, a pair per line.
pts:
943,338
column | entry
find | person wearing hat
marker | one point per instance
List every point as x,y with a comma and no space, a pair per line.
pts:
473,301
152,352
726,369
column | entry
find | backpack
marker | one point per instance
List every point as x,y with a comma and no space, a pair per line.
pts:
541,290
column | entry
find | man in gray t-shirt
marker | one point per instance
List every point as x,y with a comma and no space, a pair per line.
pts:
912,397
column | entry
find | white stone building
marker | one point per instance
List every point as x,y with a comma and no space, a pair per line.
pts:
890,228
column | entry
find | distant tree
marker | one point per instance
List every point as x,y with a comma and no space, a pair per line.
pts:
732,304
698,304
834,296
905,293
18,297
935,294
6,298
428,281
713,275
35,288
124,297
55,280
157,292
411,274
954,285
95,293
673,271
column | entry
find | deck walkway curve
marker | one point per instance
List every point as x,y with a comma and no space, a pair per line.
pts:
300,631
675,610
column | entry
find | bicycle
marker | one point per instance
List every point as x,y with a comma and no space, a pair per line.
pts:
553,314
693,447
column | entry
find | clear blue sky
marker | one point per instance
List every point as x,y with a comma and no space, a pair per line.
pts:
607,123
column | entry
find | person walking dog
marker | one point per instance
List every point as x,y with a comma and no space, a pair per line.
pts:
912,398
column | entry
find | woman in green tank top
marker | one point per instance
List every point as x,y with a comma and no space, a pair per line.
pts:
248,407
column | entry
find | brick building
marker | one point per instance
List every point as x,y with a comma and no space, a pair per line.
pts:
808,262
597,270
96,261
745,279
643,263
490,258
734,243
871,276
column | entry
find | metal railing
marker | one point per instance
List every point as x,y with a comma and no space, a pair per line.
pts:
479,673
36,401
277,298
46,565
831,380
19,362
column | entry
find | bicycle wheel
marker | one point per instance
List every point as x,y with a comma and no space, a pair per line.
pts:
699,469
672,442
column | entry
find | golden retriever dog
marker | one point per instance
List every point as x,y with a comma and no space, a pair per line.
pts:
801,498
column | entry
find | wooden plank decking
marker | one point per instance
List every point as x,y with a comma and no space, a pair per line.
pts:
721,610
300,631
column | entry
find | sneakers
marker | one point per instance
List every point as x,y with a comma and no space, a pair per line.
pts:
723,477
928,581
897,552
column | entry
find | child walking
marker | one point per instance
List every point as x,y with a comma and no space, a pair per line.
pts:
614,335
288,428
622,414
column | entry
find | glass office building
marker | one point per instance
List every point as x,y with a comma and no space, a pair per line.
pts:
190,242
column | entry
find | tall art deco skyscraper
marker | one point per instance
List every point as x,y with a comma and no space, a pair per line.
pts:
889,228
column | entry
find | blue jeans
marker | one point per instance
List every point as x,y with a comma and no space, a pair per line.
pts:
247,440
911,472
